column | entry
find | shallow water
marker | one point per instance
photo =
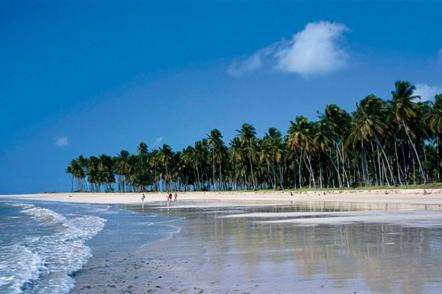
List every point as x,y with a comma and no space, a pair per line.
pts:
44,245
189,248
373,251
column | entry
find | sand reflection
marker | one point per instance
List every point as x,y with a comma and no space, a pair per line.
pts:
239,253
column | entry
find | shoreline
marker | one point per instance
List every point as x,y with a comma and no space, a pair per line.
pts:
367,199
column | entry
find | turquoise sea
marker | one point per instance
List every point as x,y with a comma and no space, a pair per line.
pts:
43,245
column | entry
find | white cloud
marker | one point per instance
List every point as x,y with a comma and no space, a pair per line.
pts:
427,92
61,142
245,66
315,50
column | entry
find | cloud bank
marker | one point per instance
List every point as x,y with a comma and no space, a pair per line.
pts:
427,92
315,50
61,141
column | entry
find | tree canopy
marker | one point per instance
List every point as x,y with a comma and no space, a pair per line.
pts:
383,142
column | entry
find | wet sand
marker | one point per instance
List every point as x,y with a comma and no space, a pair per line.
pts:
233,251
377,241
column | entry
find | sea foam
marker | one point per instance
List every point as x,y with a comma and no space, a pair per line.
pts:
18,266
45,264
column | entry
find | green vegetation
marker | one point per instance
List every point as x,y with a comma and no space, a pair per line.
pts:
382,143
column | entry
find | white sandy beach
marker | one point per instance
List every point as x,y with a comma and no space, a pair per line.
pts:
363,199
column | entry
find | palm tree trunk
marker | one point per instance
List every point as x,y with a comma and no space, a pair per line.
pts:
251,170
310,169
390,169
439,154
421,169
281,177
220,175
300,169
336,169
213,173
340,152
399,178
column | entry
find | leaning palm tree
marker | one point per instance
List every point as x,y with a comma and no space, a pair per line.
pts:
435,124
337,126
404,112
368,126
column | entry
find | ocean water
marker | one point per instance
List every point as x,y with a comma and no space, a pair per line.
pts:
44,245
201,247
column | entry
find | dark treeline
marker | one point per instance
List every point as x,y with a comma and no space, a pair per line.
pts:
383,142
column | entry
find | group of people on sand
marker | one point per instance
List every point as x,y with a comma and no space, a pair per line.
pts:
169,198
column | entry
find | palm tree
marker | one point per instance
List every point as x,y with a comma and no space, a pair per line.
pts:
188,171
93,173
217,153
272,153
337,127
247,137
165,160
142,149
77,172
369,124
106,172
202,162
404,112
324,144
301,135
122,169
435,124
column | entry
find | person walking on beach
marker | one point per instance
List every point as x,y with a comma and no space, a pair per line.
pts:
142,200
169,198
175,196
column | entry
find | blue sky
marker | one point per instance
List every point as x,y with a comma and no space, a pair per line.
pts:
91,77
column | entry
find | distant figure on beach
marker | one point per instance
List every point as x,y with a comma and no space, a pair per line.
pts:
169,198
175,196
142,200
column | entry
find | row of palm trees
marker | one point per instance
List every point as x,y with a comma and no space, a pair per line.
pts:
393,142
